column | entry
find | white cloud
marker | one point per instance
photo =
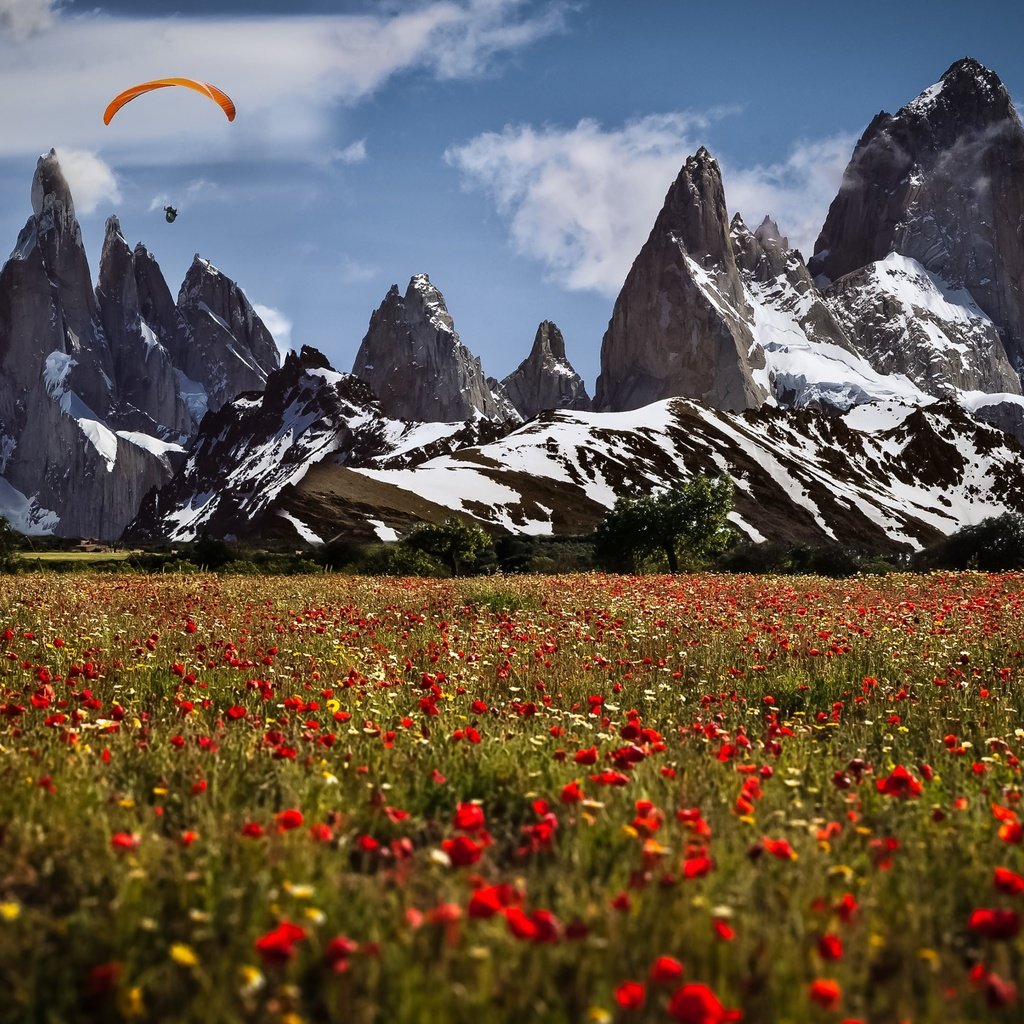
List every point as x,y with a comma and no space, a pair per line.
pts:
354,153
279,326
23,18
796,192
583,200
91,180
355,272
287,75
197,190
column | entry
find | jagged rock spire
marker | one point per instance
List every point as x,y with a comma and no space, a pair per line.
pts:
416,364
941,181
679,326
545,379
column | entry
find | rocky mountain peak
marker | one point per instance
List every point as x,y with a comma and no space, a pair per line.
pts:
415,362
968,93
940,182
548,342
695,216
430,299
50,189
228,349
545,379
681,326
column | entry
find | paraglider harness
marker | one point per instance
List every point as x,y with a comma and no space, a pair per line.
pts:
169,214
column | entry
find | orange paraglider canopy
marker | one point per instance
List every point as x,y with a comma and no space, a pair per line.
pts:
220,98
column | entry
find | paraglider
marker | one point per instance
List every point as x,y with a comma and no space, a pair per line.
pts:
169,214
204,88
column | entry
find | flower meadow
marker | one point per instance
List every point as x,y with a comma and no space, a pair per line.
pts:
691,799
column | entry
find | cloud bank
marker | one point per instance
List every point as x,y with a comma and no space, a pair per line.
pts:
582,200
20,19
279,326
91,180
287,75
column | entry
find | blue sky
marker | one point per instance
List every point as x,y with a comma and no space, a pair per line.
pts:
515,150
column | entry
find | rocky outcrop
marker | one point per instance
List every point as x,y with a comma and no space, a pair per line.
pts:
545,379
261,445
148,398
940,182
415,363
65,467
93,410
680,326
225,347
909,321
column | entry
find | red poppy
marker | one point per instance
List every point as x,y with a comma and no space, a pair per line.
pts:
830,947
825,992
665,970
1008,882
631,995
337,953
520,924
469,817
900,783
698,865
489,900
571,793
252,830
277,947
462,851
779,848
994,923
697,1004
125,841
288,820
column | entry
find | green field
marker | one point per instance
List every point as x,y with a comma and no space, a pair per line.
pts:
563,799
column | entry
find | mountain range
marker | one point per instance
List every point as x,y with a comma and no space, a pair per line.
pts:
871,394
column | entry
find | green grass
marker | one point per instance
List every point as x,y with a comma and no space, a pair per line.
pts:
176,710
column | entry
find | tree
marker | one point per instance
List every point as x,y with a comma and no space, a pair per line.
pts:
995,544
10,542
686,522
455,542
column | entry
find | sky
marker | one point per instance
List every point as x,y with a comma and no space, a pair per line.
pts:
517,151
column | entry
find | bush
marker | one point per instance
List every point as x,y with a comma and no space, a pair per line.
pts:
397,560
994,545
804,559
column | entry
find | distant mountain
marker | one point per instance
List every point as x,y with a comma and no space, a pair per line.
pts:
417,366
263,444
872,397
940,182
100,390
914,298
315,457
545,379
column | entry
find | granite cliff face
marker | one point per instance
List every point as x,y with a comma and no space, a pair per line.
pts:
415,363
225,347
940,182
680,327
144,376
545,379
919,284
94,408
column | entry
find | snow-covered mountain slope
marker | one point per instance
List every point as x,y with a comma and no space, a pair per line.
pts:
882,475
101,388
260,444
314,457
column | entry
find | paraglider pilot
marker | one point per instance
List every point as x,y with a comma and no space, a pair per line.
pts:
170,213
